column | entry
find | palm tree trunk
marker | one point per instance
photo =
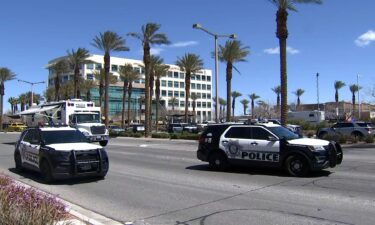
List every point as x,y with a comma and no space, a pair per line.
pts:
157,95
123,105
76,74
146,61
252,109
107,63
88,95
193,111
57,87
101,87
229,90
129,100
187,94
282,34
151,91
353,102
233,103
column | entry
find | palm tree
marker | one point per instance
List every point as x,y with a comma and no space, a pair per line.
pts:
190,63
235,95
49,94
87,85
77,59
67,90
154,61
194,97
5,75
245,104
23,100
232,52
299,92
60,67
125,72
338,85
354,89
282,34
148,37
253,96
173,101
100,77
13,103
160,71
222,104
108,41
277,91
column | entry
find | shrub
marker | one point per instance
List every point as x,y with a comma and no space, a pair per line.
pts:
22,205
369,139
189,136
160,135
175,136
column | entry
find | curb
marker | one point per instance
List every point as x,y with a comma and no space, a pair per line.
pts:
85,215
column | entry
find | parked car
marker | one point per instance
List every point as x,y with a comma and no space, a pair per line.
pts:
115,129
189,128
175,128
356,129
266,145
294,128
136,127
59,152
16,126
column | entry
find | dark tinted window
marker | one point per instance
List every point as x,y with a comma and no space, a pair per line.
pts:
260,133
63,136
28,136
365,124
238,132
347,125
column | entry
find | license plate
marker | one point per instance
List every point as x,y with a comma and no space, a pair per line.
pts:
99,137
86,167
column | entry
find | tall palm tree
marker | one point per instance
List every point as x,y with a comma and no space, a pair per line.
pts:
107,42
277,91
132,77
282,34
160,71
154,61
235,95
60,67
173,101
194,98
299,92
245,104
222,104
23,101
354,89
232,52
13,103
77,58
190,63
149,37
338,85
100,78
5,75
253,96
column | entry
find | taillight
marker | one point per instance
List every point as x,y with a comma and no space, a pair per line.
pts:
368,130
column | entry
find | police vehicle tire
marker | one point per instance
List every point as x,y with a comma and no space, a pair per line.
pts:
46,172
297,166
103,143
218,161
18,162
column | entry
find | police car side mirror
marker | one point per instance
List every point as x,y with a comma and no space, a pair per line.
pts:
42,143
272,138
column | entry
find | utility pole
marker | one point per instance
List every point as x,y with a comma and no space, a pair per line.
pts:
317,89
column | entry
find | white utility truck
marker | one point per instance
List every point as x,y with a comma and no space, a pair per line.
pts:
308,116
76,113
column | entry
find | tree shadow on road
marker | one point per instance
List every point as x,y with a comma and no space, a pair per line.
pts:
35,176
9,143
254,170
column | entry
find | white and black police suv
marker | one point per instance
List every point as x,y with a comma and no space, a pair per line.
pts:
267,145
59,152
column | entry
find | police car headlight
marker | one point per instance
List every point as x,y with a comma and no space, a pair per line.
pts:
315,148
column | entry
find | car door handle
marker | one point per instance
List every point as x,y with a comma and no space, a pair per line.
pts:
224,142
254,143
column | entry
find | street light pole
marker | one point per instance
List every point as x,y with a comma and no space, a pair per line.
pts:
32,85
359,103
216,36
317,89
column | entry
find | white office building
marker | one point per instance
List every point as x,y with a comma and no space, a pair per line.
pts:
172,85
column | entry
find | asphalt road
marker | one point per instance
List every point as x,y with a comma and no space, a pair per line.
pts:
162,182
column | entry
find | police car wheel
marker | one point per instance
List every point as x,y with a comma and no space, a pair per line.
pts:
18,162
217,161
46,172
296,166
103,143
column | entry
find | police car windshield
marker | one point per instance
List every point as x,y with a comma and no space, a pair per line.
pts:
88,118
282,132
63,136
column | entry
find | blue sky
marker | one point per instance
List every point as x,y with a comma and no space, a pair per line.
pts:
336,39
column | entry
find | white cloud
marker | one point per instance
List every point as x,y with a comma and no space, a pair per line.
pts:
276,50
365,39
183,44
155,51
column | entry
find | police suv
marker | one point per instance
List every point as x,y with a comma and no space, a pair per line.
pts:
59,152
266,144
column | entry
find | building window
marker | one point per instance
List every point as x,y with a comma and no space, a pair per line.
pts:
170,83
203,87
164,93
175,84
90,76
208,96
163,83
170,93
114,68
204,95
170,74
199,105
142,70
182,103
204,105
192,86
208,104
208,87
198,77
143,81
65,78
203,78
175,94
90,66
208,78
182,85
182,75
98,66
182,94
199,86
175,75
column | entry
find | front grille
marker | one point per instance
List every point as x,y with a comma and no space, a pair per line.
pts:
98,130
86,161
